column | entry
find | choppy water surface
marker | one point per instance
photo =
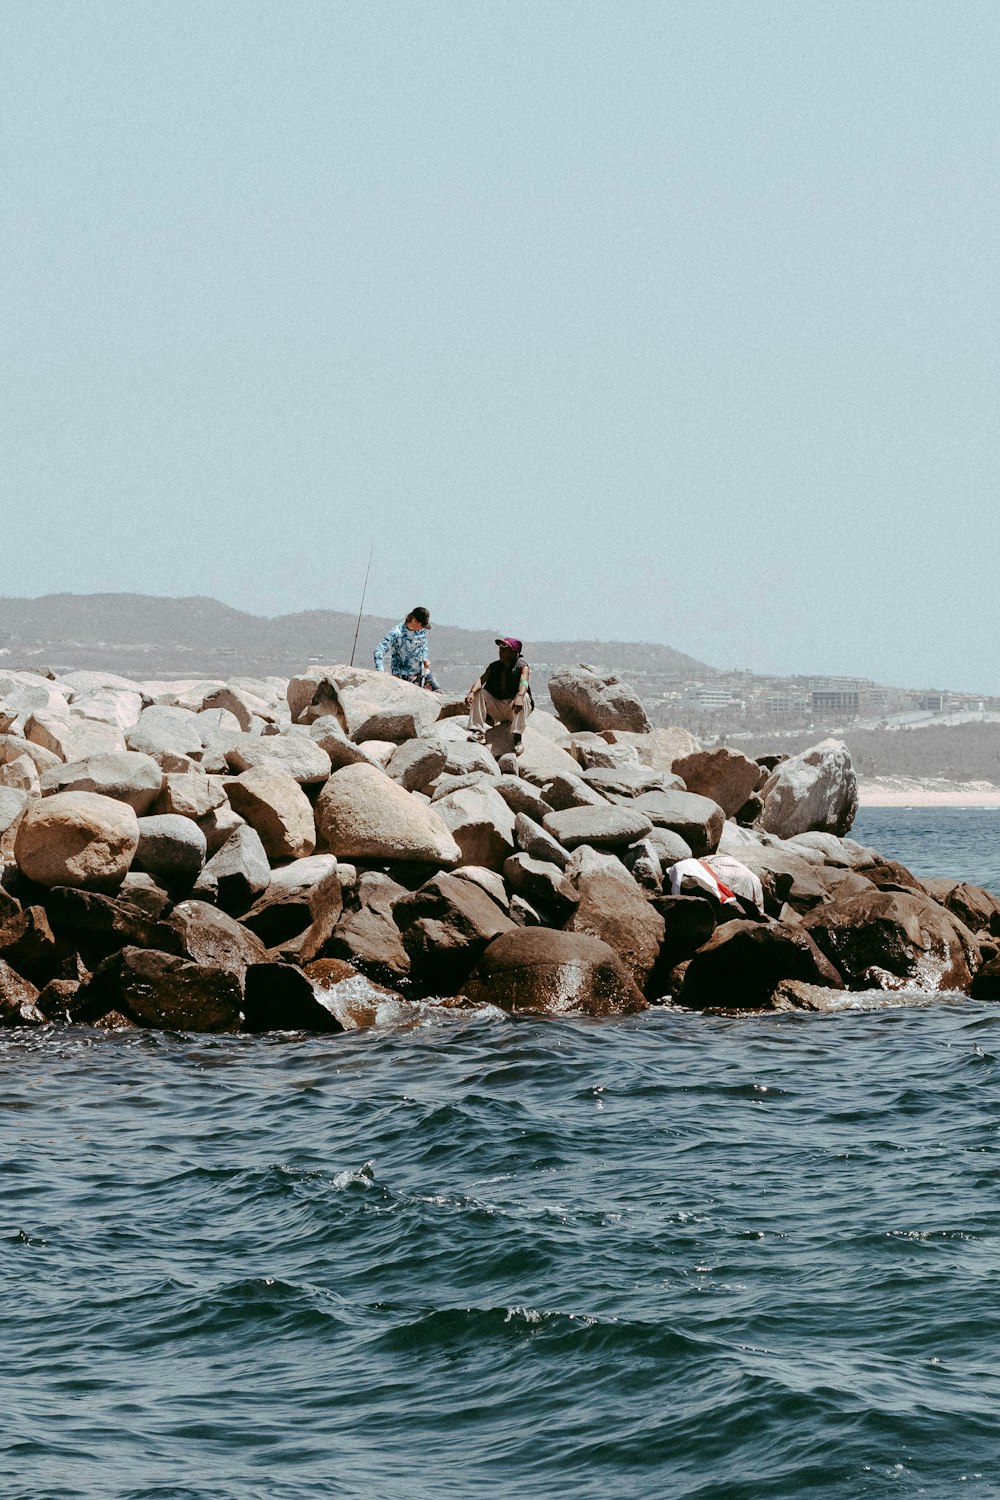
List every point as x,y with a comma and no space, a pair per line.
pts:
672,1256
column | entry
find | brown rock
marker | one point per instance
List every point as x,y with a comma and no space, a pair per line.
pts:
160,990
18,997
445,926
894,940
613,906
559,973
724,775
29,945
275,805
77,839
206,935
742,964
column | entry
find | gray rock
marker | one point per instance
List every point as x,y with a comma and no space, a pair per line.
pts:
416,763
607,827
481,824
533,839
542,884
572,791
190,795
159,729
522,797
172,848
72,740
127,776
331,737
237,875
697,820
362,814
815,791
586,698
304,760
624,781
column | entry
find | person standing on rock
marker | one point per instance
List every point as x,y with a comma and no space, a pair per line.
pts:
406,644
502,694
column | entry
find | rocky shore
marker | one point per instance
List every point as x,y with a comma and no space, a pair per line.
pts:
274,854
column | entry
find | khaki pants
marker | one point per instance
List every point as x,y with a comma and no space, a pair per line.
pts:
500,710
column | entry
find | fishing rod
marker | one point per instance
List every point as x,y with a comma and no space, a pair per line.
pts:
362,609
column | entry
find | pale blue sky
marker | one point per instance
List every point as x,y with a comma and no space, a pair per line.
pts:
663,321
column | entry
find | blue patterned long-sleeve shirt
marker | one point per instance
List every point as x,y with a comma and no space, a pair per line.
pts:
407,651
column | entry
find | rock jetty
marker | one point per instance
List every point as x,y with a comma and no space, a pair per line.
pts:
272,854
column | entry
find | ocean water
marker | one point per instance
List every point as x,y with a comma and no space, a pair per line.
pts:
674,1256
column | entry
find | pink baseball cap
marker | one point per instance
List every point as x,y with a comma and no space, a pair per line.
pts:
511,641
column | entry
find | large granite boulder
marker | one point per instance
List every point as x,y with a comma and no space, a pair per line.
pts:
160,728
368,937
172,848
366,703
362,814
531,838
163,991
540,759
14,746
522,798
330,735
72,740
723,775
816,790
624,781
297,754
607,827
541,883
190,794
79,839
894,940
119,707
274,803
446,925
543,970
612,905
586,698
206,935
742,964
697,820
235,876
298,912
125,775
13,805
416,763
481,823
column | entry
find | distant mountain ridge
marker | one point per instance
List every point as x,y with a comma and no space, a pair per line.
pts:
144,635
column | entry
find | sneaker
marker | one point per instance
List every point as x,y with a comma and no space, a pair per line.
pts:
518,747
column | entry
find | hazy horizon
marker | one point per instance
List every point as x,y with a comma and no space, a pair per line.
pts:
618,323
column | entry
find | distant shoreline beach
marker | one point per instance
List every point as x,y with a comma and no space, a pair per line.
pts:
900,791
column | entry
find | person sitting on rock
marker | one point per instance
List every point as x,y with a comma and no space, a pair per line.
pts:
502,695
406,644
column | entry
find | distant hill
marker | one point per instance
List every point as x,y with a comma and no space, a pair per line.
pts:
141,635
